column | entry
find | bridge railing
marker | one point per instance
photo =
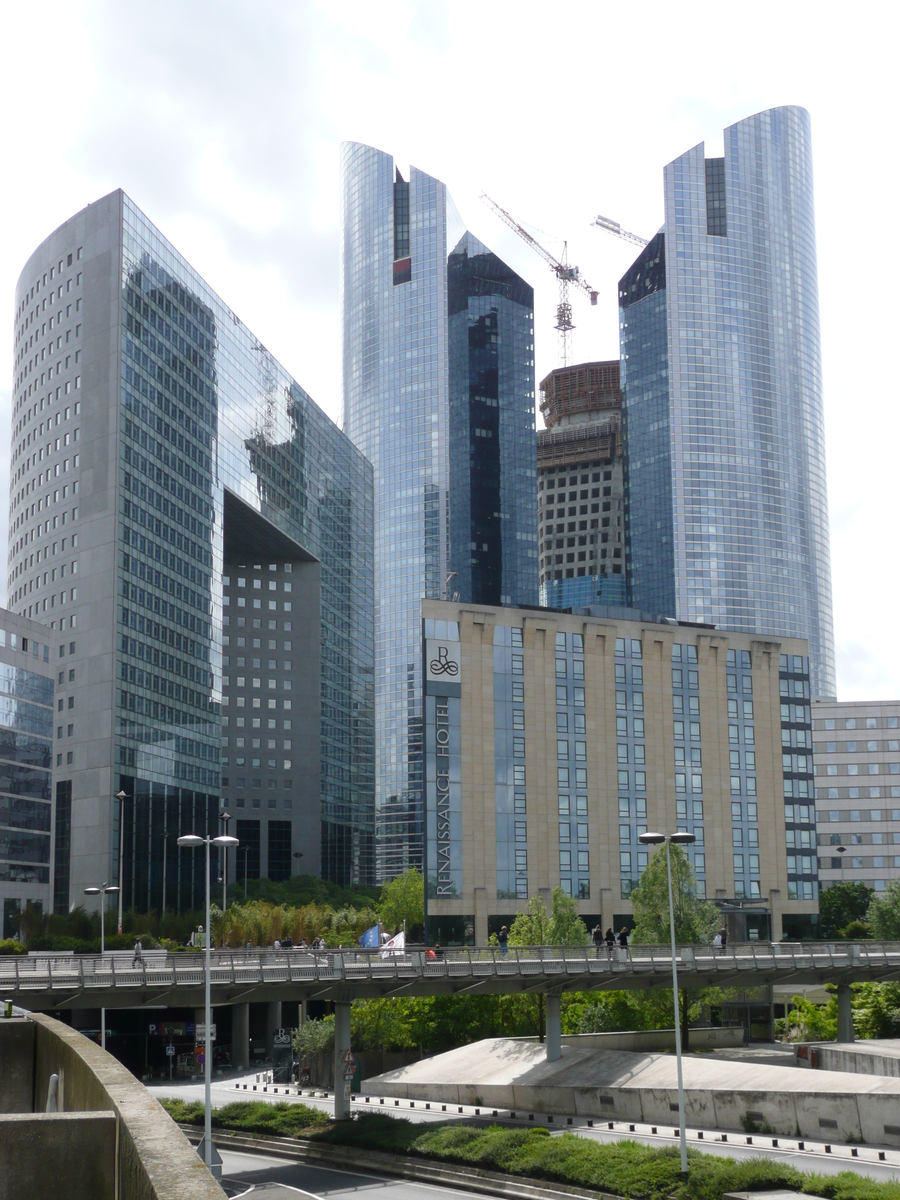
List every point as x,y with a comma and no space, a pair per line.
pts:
302,966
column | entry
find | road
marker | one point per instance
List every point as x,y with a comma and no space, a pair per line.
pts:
812,1158
262,1178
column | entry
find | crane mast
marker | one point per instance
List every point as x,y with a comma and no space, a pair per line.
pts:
565,273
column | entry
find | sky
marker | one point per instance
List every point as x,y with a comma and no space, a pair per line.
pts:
223,122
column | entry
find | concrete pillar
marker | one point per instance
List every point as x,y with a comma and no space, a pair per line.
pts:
341,1046
273,1023
481,916
554,1027
240,1036
775,913
845,1013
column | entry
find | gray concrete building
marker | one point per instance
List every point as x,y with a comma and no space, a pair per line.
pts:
154,439
857,764
28,664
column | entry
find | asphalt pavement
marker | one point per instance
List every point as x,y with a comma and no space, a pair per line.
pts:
813,1157
262,1178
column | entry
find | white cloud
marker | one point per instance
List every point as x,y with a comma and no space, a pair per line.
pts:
222,121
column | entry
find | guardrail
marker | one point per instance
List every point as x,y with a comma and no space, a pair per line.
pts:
557,965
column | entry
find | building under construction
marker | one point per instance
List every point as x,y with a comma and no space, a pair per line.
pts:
580,487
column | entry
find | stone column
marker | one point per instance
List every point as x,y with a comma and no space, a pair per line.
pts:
775,913
845,1013
554,1027
240,1036
341,1046
481,916
273,1023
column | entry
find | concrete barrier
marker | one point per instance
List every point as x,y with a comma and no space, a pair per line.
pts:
66,1154
707,1037
151,1158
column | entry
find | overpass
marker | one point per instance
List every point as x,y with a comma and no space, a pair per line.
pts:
52,982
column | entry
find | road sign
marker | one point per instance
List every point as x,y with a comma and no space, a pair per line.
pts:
170,1051
200,1035
152,1029
201,1058
348,1057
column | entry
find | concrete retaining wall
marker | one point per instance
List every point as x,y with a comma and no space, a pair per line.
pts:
832,1056
155,1160
703,1038
69,1155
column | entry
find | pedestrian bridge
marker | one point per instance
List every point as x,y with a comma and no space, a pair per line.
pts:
45,982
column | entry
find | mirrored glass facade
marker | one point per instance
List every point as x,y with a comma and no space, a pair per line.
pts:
438,393
195,446
726,505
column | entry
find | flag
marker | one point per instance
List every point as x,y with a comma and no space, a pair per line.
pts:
396,945
369,940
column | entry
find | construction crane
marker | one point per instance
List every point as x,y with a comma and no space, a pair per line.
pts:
615,228
564,273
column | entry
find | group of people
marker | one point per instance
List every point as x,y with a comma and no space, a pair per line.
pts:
609,939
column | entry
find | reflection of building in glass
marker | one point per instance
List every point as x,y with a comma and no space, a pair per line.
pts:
726,508
580,487
438,382
184,446
27,667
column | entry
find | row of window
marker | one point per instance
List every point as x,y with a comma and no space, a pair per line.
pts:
854,723
892,745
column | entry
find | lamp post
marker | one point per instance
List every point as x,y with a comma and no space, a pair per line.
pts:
681,839
193,839
225,817
103,891
121,797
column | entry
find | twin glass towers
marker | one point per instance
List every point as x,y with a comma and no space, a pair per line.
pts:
438,369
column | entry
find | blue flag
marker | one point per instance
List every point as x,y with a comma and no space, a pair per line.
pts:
369,939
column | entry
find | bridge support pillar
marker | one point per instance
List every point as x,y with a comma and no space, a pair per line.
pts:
554,1027
341,1049
240,1036
273,1022
845,1013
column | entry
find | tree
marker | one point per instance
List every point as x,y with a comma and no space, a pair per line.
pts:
535,927
884,913
403,899
843,903
696,920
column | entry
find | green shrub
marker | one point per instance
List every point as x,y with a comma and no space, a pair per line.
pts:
251,1116
11,946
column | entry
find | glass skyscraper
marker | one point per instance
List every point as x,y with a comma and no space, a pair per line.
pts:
199,535
726,505
438,393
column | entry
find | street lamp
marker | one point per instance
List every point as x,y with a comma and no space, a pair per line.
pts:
103,890
121,797
681,839
193,840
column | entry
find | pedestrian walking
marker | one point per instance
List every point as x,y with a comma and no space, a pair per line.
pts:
717,941
138,959
623,944
610,939
724,937
503,939
597,937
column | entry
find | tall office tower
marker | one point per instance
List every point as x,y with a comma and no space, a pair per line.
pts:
438,393
580,487
159,448
726,508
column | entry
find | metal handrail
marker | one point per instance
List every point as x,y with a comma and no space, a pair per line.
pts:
90,972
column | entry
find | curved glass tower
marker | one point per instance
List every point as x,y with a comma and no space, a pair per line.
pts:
438,393
726,505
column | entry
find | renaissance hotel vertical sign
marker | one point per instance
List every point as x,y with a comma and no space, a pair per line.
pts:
443,775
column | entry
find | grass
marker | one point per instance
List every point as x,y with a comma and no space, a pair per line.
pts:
624,1168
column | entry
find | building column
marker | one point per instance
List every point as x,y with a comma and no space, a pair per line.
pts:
341,1047
240,1036
775,913
554,1027
481,916
273,1023
845,1013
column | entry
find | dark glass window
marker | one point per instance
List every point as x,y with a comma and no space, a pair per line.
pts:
63,846
247,853
279,850
716,216
402,260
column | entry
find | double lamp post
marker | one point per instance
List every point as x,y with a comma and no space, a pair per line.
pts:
680,839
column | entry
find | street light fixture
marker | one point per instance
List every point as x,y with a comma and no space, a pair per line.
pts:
193,840
104,890
225,817
681,839
121,797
